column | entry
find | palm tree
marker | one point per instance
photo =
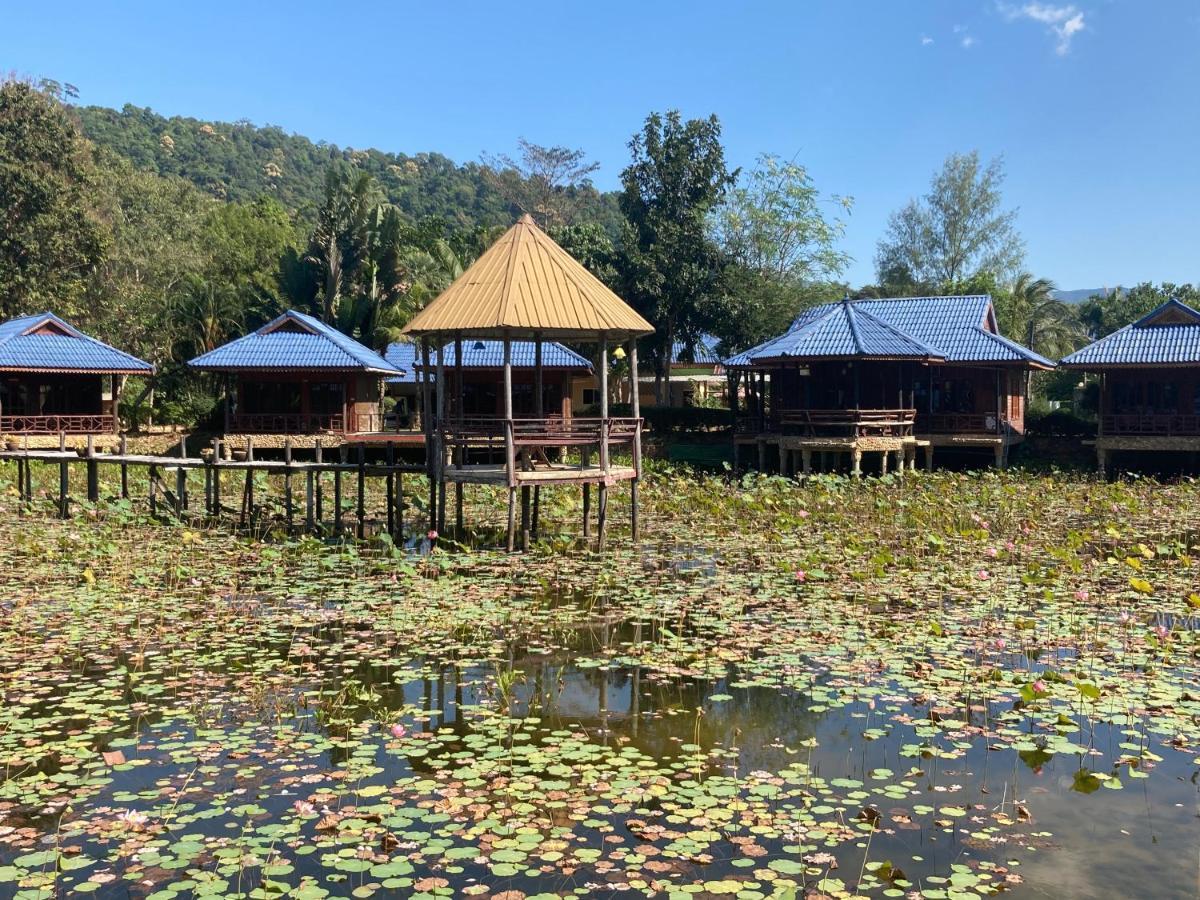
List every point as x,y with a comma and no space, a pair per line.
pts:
203,315
340,238
1032,314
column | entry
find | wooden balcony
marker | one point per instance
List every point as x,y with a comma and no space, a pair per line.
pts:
59,424
1150,424
848,423
285,423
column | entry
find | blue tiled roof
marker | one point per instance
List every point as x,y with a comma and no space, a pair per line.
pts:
486,355
1168,335
954,329
838,330
60,347
702,353
294,341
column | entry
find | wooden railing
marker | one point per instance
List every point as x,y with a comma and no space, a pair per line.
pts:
1163,424
285,423
65,424
549,431
960,423
848,422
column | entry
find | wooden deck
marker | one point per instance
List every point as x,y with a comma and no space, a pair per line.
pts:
497,473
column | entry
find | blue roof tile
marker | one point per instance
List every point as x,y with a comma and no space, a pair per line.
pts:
486,355
954,329
294,341
46,343
1166,336
702,353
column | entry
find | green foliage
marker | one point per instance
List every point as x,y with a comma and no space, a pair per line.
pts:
1102,314
1028,313
667,419
51,232
671,264
957,230
1058,423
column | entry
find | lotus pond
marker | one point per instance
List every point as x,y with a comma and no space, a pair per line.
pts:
944,686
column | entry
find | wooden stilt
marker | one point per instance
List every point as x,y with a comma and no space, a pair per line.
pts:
512,519
635,403
337,502
64,500
400,507
361,530
319,494
310,501
153,477
288,510
216,477
93,472
390,488
537,502
601,516
587,510
458,510
525,511
181,480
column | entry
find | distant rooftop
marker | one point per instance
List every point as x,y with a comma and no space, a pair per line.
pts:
479,354
45,343
294,341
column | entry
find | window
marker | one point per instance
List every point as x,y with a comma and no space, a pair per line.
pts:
591,397
327,397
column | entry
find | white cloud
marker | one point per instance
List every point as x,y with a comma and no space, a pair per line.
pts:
1064,22
926,40
968,42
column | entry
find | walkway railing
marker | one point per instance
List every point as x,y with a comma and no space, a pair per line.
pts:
285,423
549,431
1162,424
64,424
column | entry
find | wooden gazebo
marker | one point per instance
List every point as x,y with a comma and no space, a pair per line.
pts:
526,287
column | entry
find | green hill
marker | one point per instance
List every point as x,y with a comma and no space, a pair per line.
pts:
242,161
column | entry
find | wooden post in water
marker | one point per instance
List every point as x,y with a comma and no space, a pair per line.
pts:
248,493
216,478
93,471
320,456
602,505
460,449
309,501
361,530
427,425
123,448
337,493
510,462
635,402
152,475
287,483
390,480
442,390
181,479
64,480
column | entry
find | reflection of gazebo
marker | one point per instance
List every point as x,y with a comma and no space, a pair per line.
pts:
527,287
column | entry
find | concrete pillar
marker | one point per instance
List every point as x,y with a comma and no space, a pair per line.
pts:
856,462
929,458
1000,456
806,461
1102,460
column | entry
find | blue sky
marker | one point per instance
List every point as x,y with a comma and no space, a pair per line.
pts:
1095,104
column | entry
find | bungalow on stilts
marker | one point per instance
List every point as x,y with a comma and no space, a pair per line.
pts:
889,377
526,287
1149,384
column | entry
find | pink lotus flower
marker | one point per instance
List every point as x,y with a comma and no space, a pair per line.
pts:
1161,632
803,514
304,808
1000,643
983,575
431,534
1082,596
1124,617
1039,687
399,731
991,553
1010,546
801,575
131,818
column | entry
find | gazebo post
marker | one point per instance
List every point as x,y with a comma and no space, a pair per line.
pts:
602,500
635,402
441,388
510,463
458,449
539,406
427,421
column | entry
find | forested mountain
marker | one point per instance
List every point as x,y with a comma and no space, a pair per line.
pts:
241,162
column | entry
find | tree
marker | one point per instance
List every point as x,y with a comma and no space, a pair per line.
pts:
1104,313
338,243
246,243
590,246
671,265
772,222
1029,313
956,231
51,236
549,183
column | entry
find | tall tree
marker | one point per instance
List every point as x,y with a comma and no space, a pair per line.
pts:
956,231
549,183
339,241
51,236
1104,313
671,263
